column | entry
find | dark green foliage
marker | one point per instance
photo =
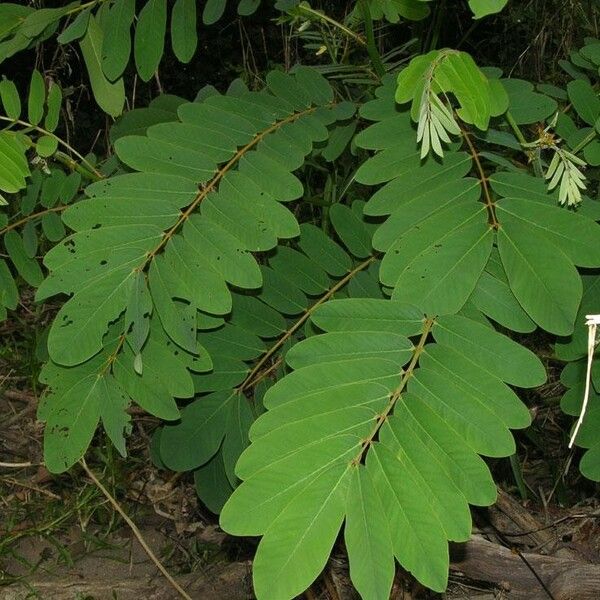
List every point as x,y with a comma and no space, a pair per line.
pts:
315,285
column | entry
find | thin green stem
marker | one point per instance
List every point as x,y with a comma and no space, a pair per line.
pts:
374,55
585,141
321,16
535,158
66,160
24,220
43,131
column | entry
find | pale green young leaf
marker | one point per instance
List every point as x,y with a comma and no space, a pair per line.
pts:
410,77
457,73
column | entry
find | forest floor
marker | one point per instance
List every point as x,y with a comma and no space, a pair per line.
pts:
62,539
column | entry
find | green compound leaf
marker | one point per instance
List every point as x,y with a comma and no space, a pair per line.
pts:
436,239
303,469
